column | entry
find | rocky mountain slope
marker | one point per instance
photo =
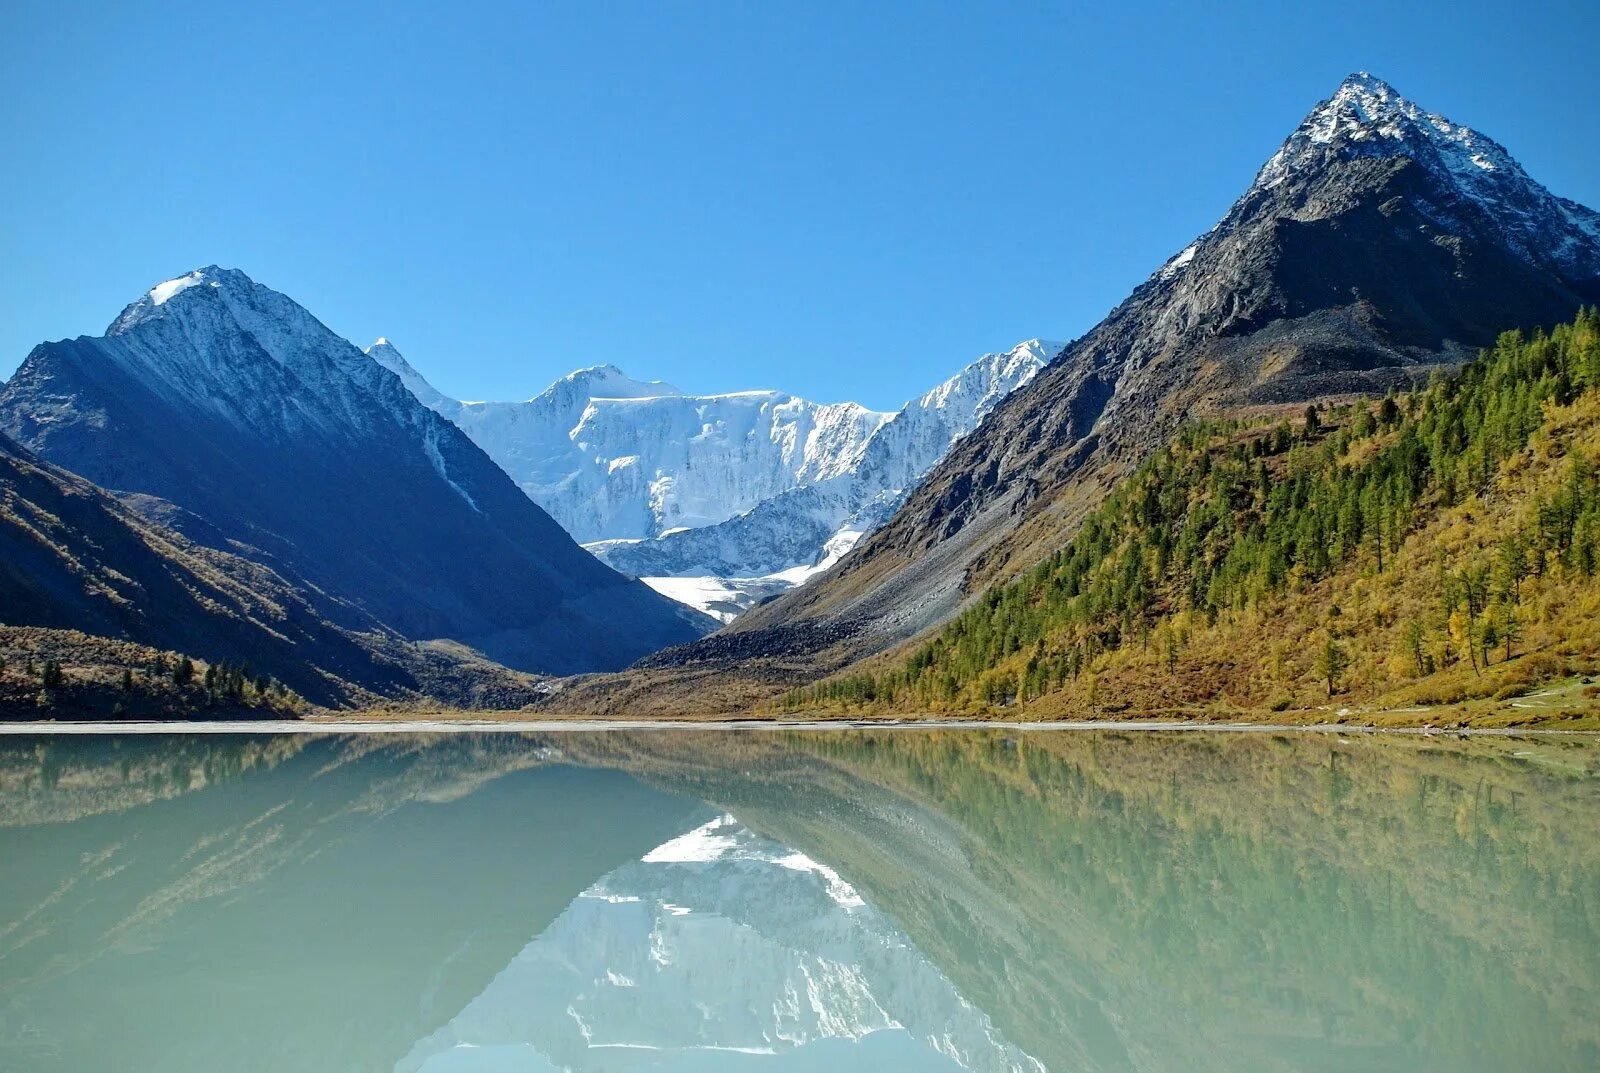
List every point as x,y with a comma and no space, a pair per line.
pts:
1378,243
1383,559
74,558
229,413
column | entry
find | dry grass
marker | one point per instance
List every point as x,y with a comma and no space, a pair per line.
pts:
92,685
1261,664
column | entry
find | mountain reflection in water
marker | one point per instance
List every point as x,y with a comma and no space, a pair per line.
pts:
916,900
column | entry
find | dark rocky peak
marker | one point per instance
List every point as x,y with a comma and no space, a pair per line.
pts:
1366,137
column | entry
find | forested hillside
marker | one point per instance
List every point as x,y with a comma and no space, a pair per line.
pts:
1432,547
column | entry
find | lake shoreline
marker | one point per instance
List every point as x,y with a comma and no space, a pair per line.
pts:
451,725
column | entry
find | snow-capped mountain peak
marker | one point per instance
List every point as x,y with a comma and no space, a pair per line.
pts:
761,486
234,403
1366,117
152,304
613,457
609,382
785,540
1366,111
386,354
249,354
990,378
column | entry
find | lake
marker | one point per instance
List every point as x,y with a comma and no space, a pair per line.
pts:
799,902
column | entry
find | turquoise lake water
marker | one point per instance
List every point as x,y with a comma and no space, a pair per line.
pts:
799,902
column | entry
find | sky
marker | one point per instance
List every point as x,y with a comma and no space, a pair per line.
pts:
844,201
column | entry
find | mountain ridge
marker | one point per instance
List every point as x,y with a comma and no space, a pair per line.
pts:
611,457
602,450
813,525
233,402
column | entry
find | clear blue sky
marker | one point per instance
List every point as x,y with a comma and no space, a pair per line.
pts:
846,201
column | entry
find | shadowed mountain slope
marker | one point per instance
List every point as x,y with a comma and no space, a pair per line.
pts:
267,435
73,557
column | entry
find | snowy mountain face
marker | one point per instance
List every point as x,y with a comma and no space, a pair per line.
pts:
720,949
793,537
233,402
720,500
610,457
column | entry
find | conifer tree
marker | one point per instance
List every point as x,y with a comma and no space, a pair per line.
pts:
1331,663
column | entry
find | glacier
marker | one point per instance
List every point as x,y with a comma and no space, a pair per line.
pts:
720,501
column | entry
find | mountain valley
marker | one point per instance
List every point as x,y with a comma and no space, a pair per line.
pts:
266,494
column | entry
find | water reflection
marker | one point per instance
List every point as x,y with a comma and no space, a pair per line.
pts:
719,949
918,901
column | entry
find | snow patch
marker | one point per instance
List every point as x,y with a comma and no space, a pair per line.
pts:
430,444
840,891
1178,263
708,842
723,598
162,293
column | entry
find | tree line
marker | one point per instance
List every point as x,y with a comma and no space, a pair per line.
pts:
1234,513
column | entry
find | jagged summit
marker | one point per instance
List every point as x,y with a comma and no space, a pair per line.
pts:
1367,118
994,376
740,484
1367,114
615,458
386,354
786,539
210,281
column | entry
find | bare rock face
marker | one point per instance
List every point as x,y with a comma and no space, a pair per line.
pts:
1380,242
275,439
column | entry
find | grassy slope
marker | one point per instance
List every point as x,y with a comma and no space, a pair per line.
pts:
1266,658
1259,658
